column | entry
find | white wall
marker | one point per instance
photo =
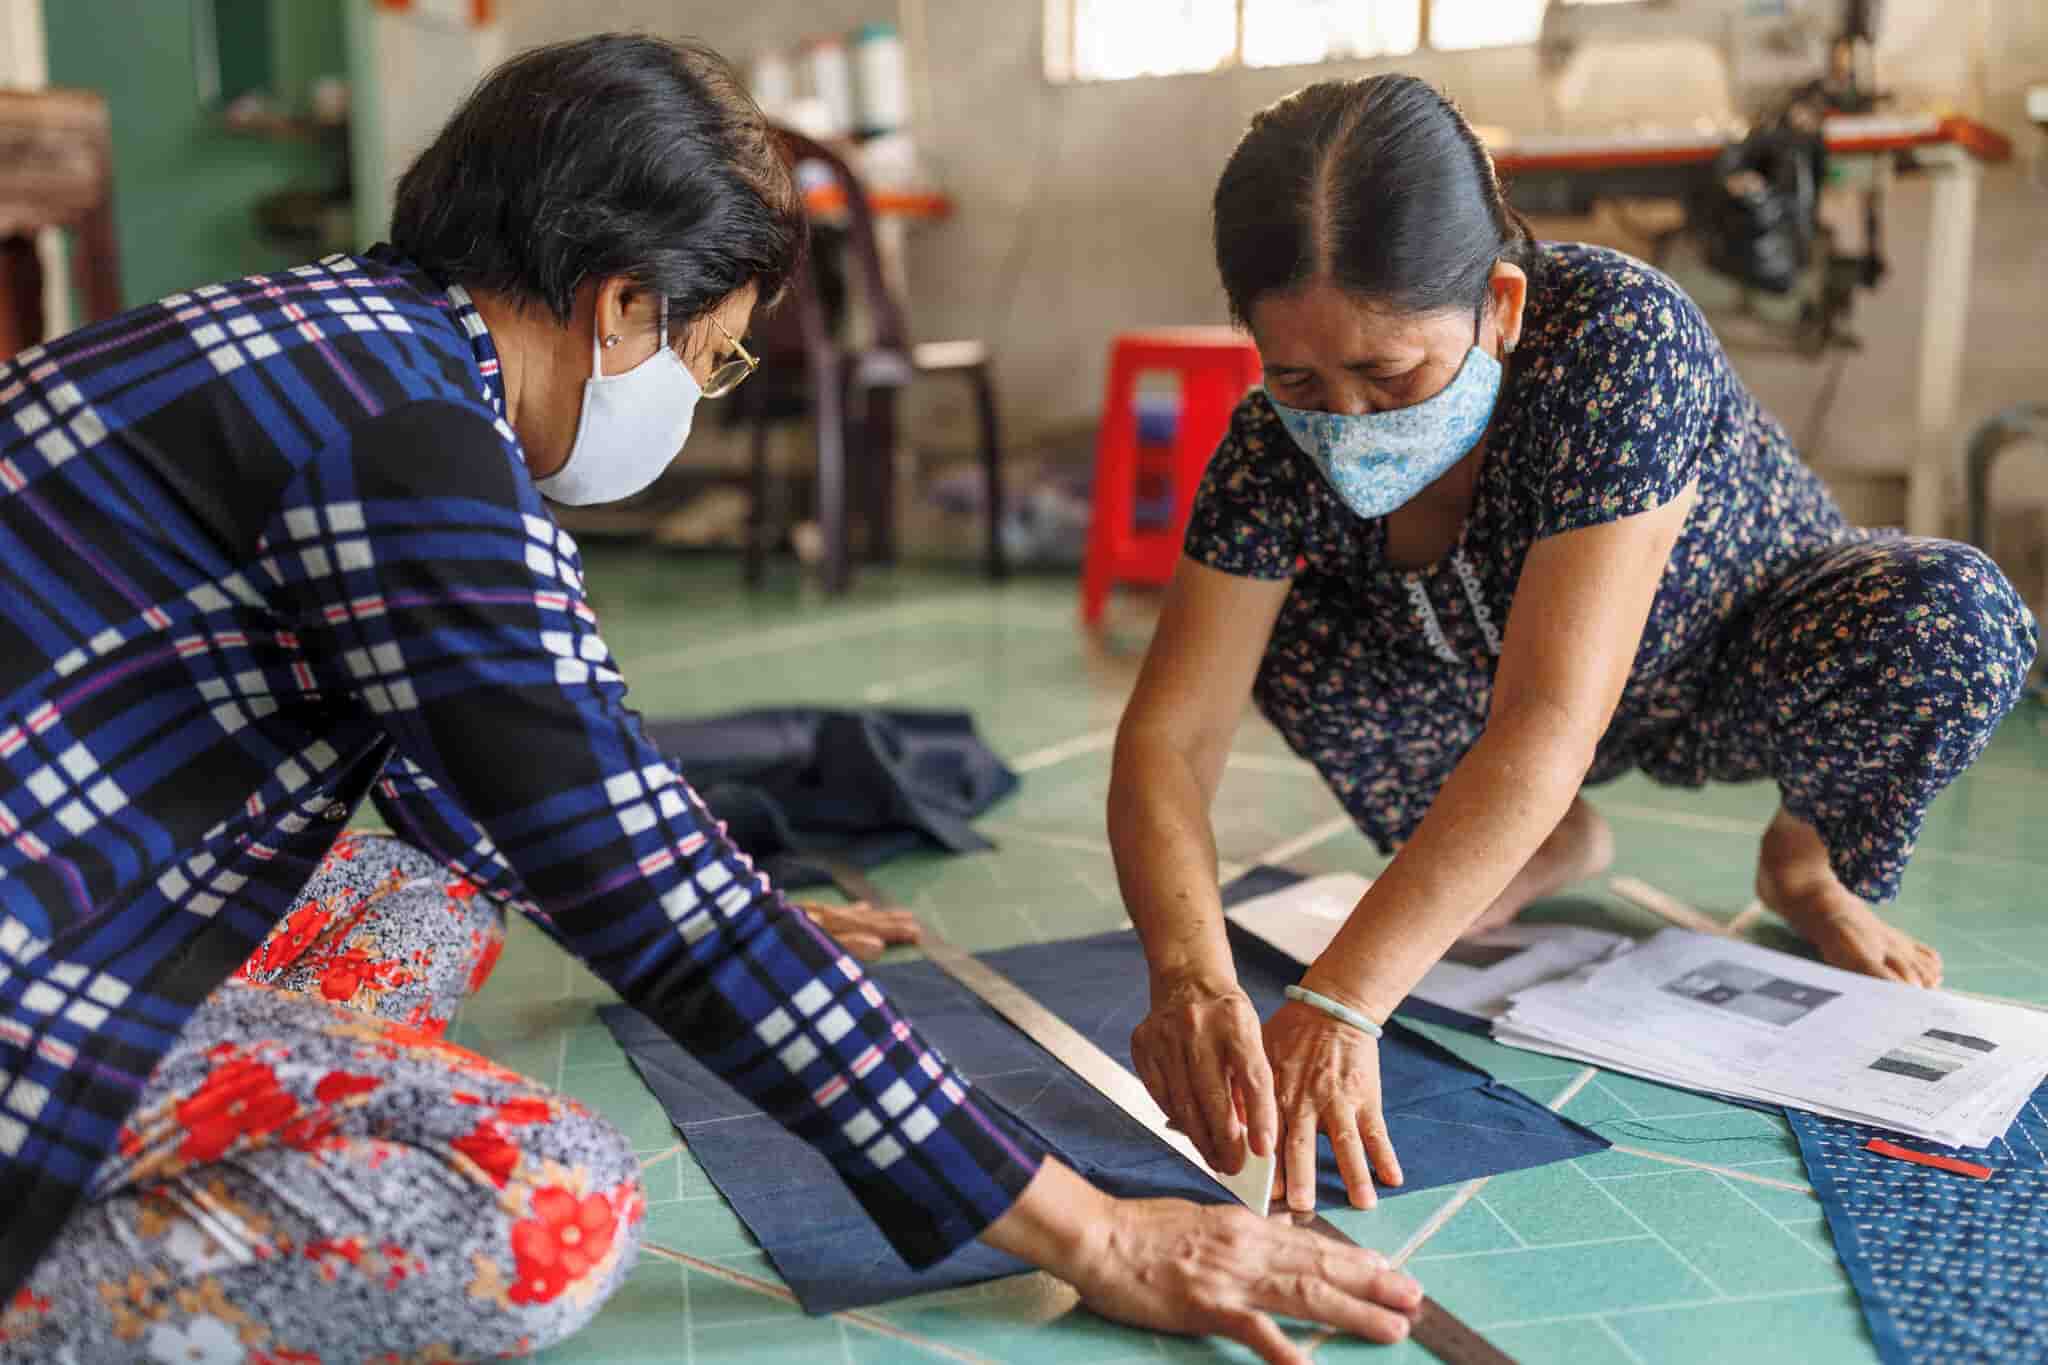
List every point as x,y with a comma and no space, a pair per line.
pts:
1082,209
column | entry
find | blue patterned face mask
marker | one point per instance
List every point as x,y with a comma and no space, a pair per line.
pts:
1379,460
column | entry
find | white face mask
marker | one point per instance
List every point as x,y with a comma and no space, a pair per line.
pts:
632,426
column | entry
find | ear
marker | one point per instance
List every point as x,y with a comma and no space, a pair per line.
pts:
615,297
1508,290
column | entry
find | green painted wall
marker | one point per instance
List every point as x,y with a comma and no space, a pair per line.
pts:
184,187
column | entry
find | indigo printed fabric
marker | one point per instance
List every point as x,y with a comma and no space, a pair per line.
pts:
1862,671
269,546
1947,1268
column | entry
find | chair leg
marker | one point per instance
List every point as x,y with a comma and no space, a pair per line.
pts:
2021,422
830,390
878,454
755,563
997,564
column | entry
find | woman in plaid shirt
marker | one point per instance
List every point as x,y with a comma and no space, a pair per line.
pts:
280,543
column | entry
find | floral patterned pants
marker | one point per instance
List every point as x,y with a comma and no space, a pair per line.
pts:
314,1175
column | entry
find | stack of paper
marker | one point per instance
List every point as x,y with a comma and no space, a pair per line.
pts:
1717,1014
1730,1017
1476,976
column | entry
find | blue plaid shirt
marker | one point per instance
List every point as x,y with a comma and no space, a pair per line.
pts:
271,545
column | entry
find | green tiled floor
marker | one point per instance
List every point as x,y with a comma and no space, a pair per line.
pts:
1694,1240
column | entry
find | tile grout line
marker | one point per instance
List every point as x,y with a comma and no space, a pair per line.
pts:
882,693
1776,1221
867,1321
689,1322
1071,843
657,1159
1621,1341
1278,855
1666,1307
1466,1193
1643,1236
775,639
1665,906
1520,1244
1094,742
1661,1239
1746,916
1728,1171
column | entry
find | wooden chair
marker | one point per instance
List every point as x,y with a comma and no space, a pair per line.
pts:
850,392
56,170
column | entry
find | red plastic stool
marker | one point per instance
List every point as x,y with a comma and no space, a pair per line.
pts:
1216,366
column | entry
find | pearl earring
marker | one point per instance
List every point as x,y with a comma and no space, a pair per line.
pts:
612,340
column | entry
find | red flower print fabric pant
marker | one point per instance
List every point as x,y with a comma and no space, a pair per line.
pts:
314,1175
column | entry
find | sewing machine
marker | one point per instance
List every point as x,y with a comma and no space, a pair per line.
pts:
1772,49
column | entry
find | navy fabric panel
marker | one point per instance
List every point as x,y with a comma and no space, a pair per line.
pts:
1449,1121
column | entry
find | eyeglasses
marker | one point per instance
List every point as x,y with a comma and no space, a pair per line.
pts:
732,373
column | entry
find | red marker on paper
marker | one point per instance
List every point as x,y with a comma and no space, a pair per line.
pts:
1944,1163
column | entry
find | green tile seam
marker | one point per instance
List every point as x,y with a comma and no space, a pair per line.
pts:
932,679
1730,1172
1094,742
1620,1341
1643,1236
1670,1305
1465,1195
865,1321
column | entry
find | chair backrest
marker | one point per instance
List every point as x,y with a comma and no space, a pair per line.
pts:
56,170
885,311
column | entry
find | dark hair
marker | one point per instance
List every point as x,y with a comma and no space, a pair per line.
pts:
1378,184
613,155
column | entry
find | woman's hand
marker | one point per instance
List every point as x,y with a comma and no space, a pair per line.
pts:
860,928
1170,1266
1199,1054
1326,1077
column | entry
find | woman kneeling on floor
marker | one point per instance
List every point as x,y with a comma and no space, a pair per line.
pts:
1502,524
278,543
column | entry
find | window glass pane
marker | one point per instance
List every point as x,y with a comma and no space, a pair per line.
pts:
1456,24
1115,39
1292,32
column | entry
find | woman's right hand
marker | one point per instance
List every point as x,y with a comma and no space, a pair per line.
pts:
1167,1265
1202,1055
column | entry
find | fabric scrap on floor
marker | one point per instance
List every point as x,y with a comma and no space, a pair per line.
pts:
865,786
1946,1268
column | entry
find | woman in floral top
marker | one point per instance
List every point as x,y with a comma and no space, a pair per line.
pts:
1504,523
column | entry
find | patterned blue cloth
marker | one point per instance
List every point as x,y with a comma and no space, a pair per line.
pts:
271,545
1378,461
1947,1268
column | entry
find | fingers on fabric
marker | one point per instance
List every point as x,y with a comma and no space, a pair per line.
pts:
1379,1144
1298,1150
1349,1288
1346,1140
1258,1107
1214,1089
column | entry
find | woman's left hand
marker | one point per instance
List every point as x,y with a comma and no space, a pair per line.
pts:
1326,1078
860,928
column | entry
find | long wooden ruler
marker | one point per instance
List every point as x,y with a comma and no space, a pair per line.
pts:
1435,1328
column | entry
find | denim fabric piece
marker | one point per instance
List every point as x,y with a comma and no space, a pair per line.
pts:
865,786
1947,1268
1376,461
1449,1122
